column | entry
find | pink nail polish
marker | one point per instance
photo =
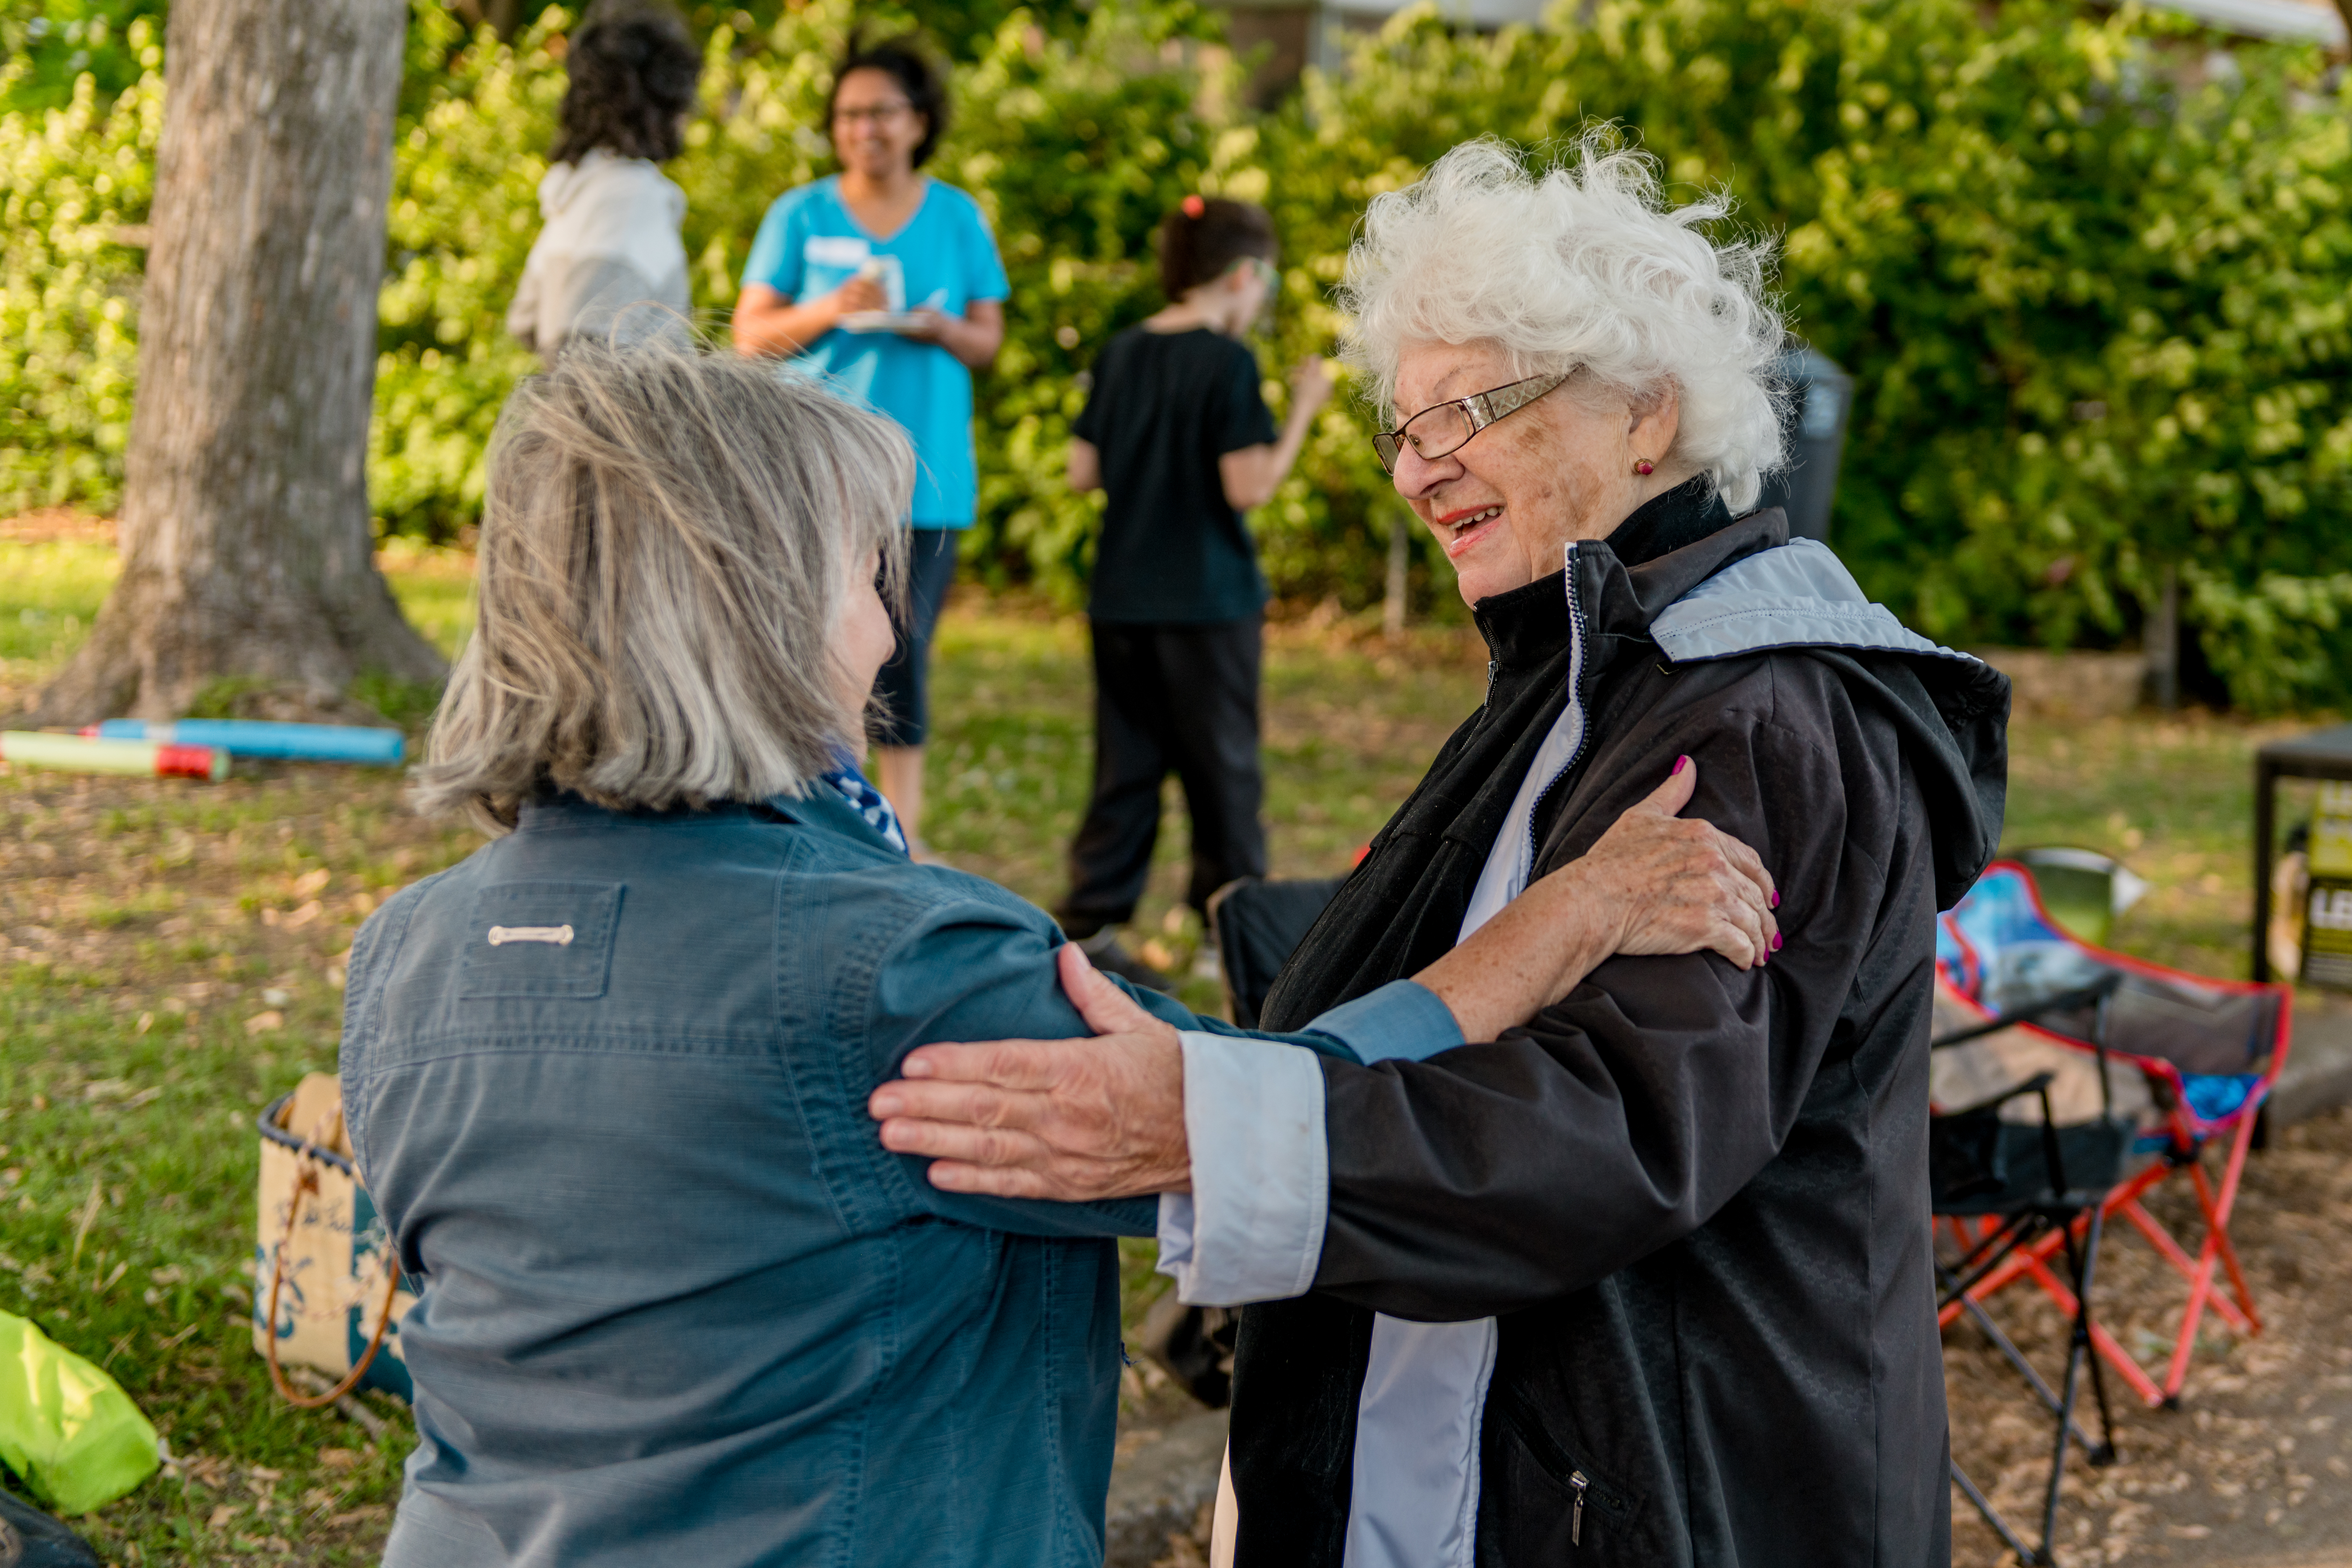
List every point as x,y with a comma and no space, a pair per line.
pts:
1776,942
1680,763
1776,897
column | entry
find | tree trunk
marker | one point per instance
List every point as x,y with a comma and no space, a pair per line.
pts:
247,545
1392,606
2159,640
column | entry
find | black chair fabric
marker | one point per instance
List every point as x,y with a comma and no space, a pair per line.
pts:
1258,924
2022,1181
1980,1164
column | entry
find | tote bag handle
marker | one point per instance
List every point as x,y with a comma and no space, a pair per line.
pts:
308,1182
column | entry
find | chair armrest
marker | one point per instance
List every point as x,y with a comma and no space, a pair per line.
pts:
2088,996
2033,1085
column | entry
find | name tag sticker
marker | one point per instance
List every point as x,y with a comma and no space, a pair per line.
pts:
540,938
836,250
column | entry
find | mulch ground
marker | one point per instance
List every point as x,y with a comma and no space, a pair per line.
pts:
2255,1467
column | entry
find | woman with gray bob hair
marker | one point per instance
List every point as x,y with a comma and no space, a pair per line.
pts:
661,595
608,1076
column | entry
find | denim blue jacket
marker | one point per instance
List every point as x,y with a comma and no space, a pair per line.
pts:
606,1082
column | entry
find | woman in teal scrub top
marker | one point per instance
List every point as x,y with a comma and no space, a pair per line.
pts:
887,283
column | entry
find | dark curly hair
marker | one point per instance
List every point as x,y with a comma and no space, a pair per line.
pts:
634,68
909,65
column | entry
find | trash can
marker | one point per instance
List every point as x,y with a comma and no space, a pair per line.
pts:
1820,395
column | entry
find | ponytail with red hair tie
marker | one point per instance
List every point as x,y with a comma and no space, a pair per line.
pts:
1195,207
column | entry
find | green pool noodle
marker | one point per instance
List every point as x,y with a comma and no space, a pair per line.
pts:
82,755
66,1427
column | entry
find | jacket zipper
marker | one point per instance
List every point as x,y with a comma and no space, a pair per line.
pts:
1578,1479
1584,720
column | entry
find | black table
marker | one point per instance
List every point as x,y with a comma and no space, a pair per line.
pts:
2322,755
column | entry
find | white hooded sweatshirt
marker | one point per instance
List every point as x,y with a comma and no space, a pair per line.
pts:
611,242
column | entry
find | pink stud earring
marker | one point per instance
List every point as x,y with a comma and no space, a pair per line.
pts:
1643,465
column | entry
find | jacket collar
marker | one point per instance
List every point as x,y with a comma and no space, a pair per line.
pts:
820,808
1666,548
1665,523
1621,598
553,810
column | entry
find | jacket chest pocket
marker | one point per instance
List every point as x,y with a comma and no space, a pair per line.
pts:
539,939
1544,1505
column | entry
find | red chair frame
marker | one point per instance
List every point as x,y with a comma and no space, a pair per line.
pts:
2186,1136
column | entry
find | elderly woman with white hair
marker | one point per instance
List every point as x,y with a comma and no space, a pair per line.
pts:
607,1077
1646,1280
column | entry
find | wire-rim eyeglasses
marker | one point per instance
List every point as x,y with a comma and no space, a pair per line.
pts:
1449,425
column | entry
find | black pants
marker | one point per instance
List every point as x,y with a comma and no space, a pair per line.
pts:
902,691
1180,699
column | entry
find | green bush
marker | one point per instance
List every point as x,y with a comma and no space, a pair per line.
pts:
53,43
2283,644
74,182
2097,313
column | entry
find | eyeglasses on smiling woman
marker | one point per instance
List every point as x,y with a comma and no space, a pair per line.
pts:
878,114
1444,427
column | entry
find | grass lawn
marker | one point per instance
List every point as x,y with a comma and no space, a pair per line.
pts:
169,962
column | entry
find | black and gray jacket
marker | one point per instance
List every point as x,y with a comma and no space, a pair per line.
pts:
1695,1199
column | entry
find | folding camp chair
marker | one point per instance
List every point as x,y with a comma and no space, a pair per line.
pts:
2206,1053
1256,924
2020,1183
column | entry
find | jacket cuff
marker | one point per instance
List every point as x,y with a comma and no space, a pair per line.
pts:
1404,1019
1252,1228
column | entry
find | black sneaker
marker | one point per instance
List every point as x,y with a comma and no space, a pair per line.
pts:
1108,956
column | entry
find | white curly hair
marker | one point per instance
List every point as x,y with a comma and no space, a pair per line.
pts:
1579,261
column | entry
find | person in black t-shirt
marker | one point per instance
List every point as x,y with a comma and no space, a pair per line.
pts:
1177,433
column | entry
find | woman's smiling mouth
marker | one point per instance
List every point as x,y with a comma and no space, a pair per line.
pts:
1458,530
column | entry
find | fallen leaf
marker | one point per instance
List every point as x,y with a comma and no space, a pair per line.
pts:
221,1516
338,1458
262,1023
310,882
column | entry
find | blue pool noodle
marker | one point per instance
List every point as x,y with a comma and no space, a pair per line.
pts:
258,738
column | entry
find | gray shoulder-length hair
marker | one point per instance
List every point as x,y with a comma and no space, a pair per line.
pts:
1578,260
666,547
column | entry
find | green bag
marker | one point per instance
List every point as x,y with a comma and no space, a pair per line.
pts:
65,1426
